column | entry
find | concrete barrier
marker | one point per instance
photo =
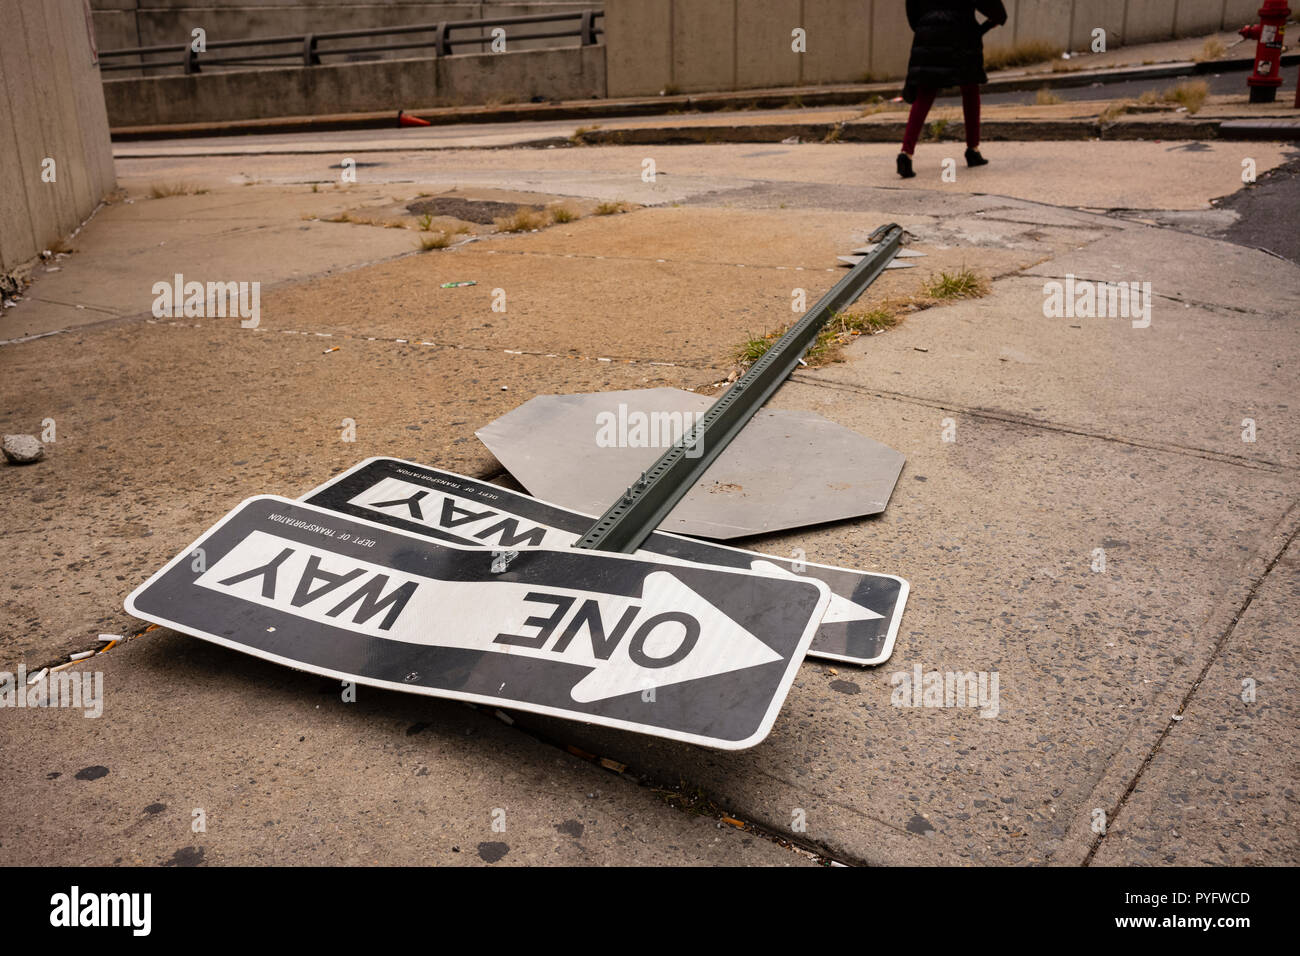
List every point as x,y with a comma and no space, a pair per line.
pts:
464,79
714,45
56,162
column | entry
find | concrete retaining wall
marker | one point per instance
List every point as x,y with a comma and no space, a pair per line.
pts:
51,108
710,45
464,79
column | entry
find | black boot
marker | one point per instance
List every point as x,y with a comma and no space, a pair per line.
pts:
905,166
973,158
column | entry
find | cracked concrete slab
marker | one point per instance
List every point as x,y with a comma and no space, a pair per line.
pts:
1221,790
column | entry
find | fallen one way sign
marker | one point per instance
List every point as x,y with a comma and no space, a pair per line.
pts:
860,625
704,655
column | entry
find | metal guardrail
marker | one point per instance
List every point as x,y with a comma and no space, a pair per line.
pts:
632,518
306,50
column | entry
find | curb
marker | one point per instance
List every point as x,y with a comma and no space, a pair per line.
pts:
992,130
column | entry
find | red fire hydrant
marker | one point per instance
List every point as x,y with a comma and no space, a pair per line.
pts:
1267,76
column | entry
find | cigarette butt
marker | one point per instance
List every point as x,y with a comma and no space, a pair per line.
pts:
328,351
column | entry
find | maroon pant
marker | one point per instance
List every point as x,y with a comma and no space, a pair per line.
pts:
970,108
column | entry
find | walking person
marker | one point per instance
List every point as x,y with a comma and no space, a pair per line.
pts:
947,50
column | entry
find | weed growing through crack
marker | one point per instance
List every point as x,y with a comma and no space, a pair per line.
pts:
1113,111
1046,97
962,284
523,220
1024,53
843,327
437,240
164,190
839,330
935,129
563,214
1212,49
1189,94
610,208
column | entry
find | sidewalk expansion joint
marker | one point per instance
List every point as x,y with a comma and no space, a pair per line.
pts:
1291,520
1011,418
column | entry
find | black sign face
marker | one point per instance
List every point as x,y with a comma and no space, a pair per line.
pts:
859,626
698,654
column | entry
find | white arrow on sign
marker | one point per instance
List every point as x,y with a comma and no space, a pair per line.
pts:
666,635
837,612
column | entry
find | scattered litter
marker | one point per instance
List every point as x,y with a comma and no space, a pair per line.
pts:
918,348
832,671
613,765
38,676
1178,716
505,388
734,822
505,718
329,350
81,656
109,638
457,285
790,141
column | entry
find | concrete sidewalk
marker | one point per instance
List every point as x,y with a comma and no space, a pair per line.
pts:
1071,436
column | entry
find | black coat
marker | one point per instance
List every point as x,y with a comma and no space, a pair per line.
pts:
948,42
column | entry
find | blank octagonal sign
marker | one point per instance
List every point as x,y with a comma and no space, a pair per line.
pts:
786,469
